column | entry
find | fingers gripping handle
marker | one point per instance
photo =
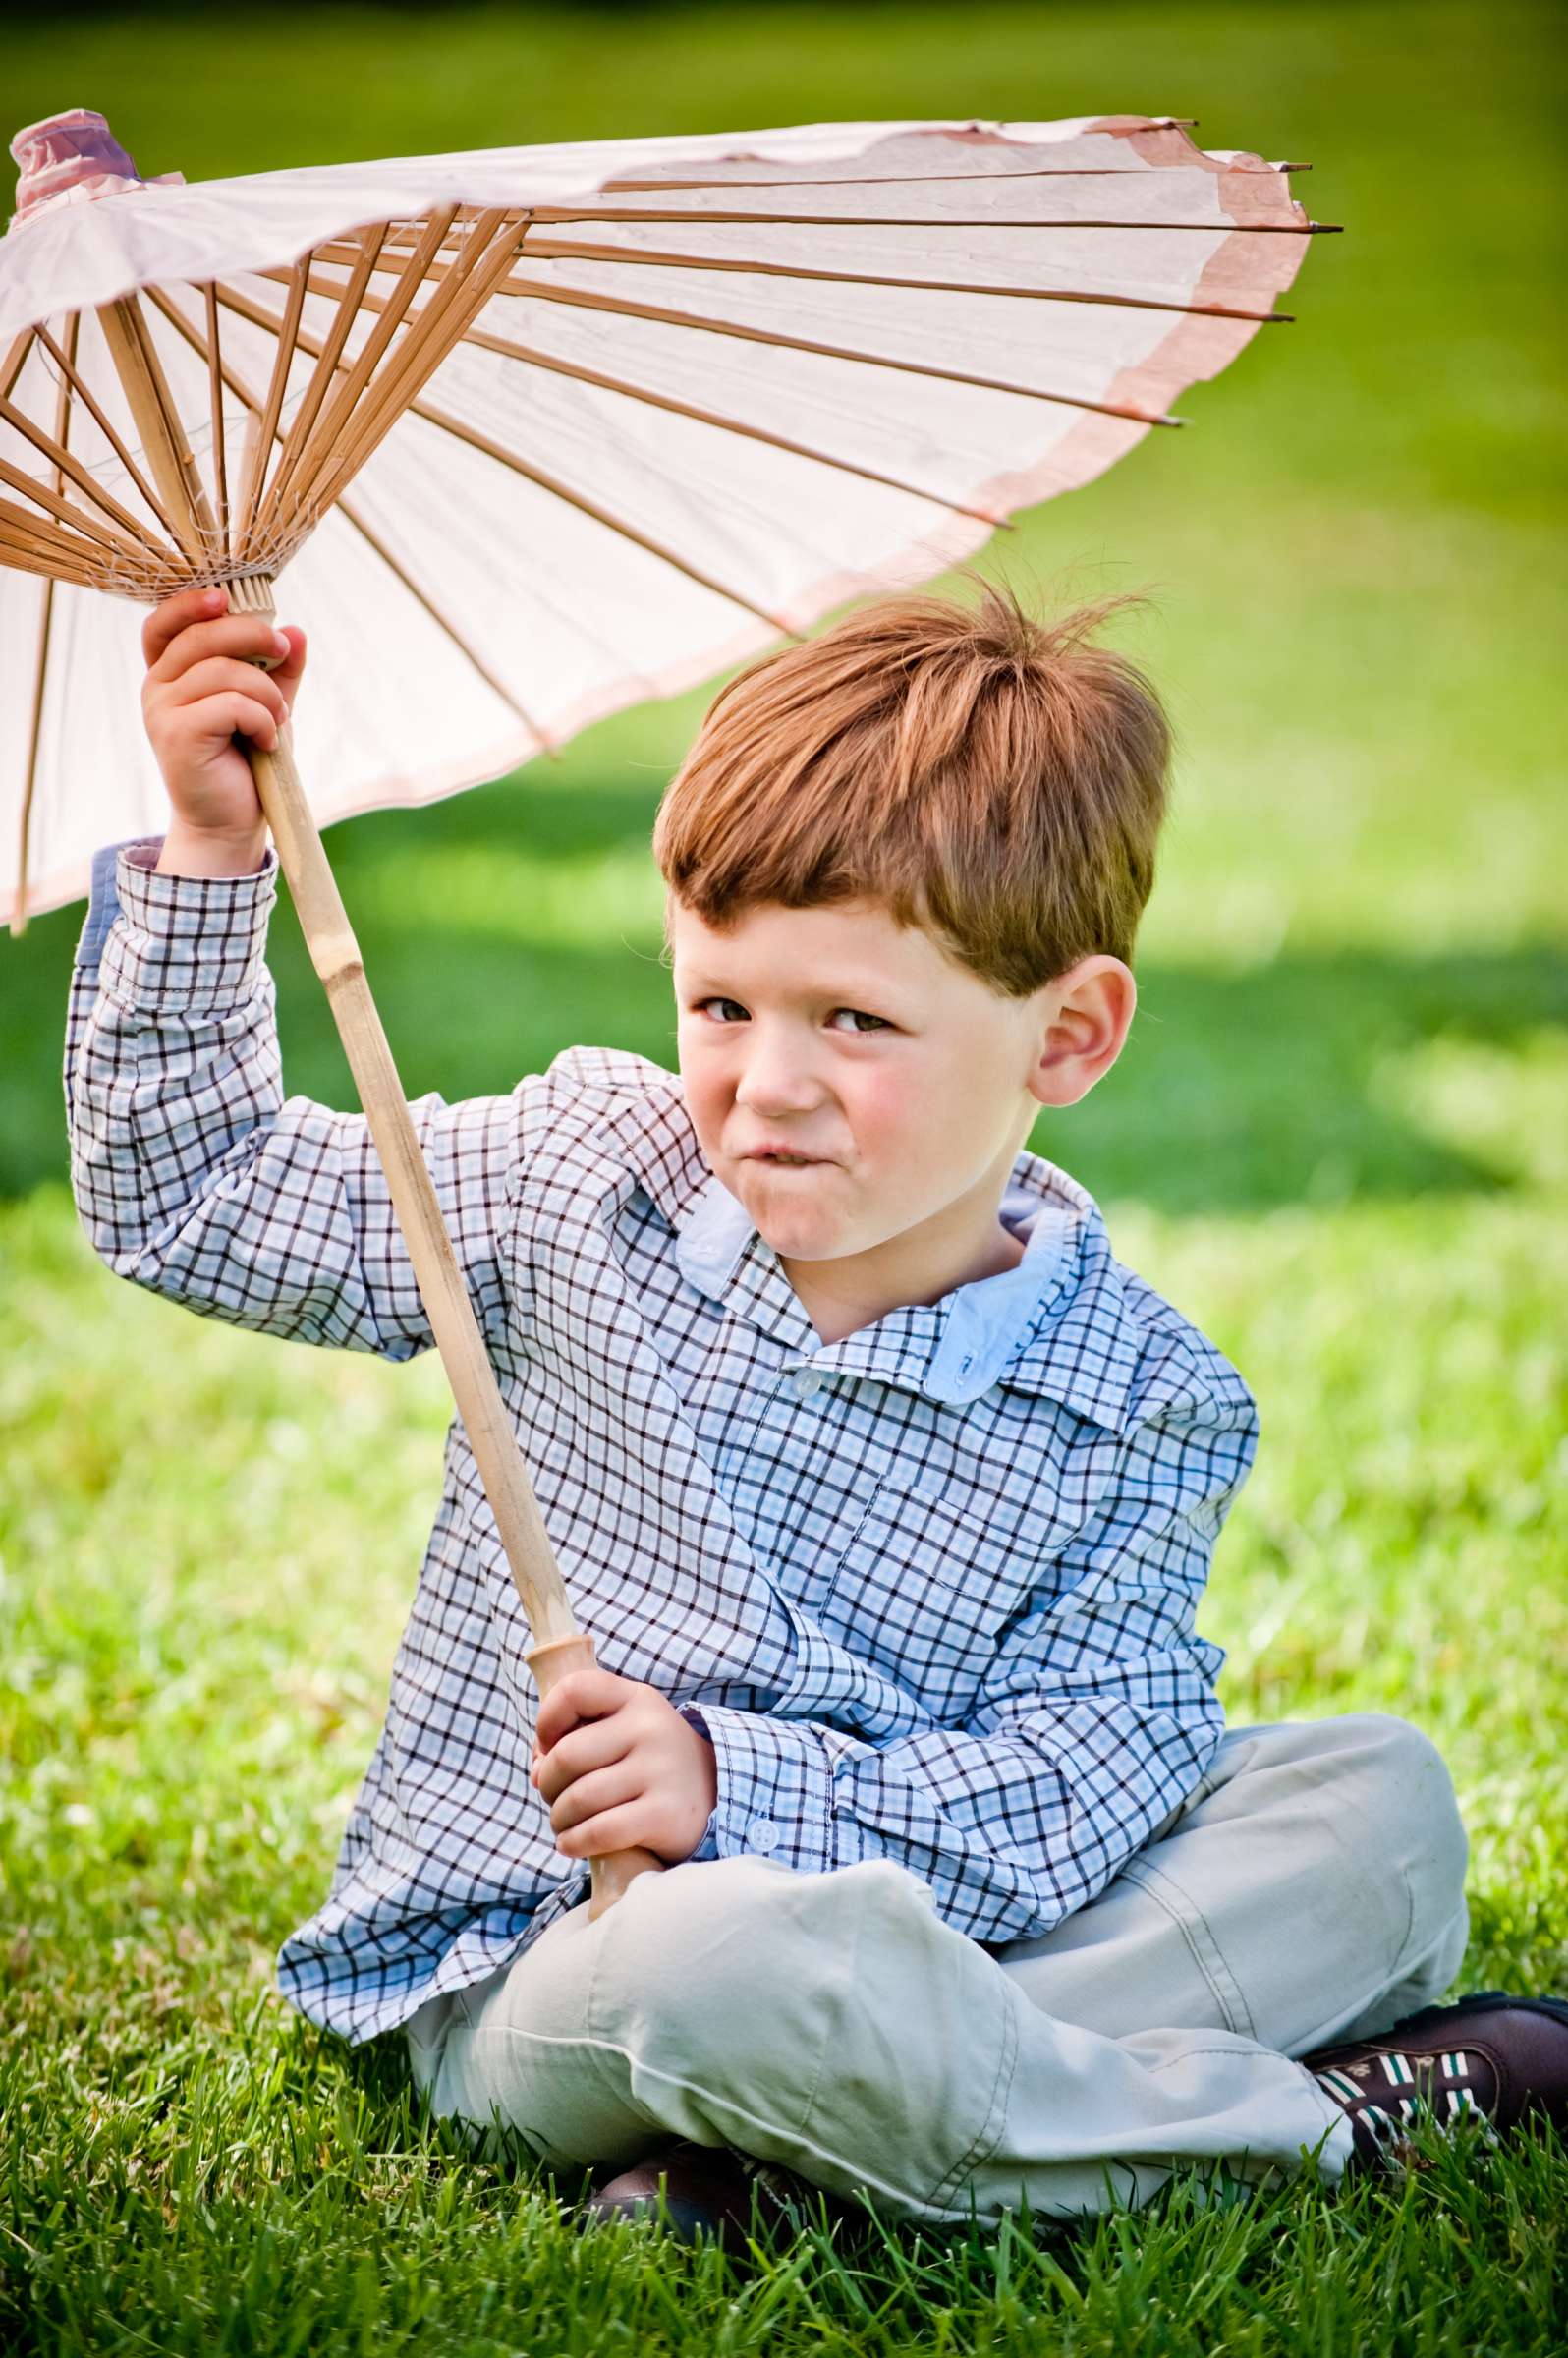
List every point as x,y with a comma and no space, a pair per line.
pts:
550,1663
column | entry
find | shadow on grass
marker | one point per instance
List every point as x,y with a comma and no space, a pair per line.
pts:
495,935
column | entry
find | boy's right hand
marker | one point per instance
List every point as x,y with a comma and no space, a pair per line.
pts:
199,690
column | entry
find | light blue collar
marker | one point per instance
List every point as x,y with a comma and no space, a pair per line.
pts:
983,1325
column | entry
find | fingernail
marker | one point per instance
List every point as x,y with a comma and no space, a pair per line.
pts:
213,600
281,641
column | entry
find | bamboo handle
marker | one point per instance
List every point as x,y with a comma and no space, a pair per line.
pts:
335,955
558,1644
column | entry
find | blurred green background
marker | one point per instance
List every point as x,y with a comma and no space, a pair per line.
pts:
1353,550
1338,1138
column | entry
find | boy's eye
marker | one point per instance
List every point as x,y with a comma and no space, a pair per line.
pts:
859,1015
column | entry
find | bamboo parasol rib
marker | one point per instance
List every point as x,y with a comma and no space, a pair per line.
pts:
750,265
523,313
536,357
222,374
510,349
492,448
75,386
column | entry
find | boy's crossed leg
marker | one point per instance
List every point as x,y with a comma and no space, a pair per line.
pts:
1312,1887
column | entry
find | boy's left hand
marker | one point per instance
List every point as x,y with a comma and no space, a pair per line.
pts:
620,1770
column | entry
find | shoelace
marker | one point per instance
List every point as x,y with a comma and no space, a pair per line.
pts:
786,2188
782,2184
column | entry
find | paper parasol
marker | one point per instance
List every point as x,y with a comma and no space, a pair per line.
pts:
542,432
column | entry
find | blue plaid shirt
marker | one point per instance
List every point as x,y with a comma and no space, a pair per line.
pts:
929,1590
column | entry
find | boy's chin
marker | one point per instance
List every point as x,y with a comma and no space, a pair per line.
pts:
802,1246
787,1219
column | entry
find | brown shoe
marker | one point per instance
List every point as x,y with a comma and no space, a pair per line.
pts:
1492,2060
714,2191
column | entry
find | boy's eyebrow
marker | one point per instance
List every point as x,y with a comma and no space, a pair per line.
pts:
846,993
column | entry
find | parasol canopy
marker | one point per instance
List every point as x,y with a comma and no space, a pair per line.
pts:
542,432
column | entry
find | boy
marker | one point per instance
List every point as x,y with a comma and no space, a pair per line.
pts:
887,1493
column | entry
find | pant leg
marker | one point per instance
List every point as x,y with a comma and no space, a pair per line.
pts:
710,2003
832,2023
521,2051
1310,1889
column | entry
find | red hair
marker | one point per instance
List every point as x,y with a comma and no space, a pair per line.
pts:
998,780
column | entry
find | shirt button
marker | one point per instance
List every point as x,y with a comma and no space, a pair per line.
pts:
806,1381
763,1835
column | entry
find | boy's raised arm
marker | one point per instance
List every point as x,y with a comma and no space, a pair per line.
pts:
194,1175
1098,1720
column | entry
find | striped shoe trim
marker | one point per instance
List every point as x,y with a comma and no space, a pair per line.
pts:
1339,2084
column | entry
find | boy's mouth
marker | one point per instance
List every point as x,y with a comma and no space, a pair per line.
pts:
782,1160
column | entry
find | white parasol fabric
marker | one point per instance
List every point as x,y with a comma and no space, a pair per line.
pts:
711,388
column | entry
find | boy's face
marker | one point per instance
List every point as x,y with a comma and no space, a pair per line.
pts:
902,1080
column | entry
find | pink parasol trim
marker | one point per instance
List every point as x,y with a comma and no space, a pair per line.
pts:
72,160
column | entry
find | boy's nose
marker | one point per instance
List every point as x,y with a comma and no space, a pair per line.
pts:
775,1086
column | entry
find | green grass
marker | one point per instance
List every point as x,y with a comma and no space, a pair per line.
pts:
1339,1140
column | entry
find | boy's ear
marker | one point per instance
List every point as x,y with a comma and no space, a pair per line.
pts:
1087,1012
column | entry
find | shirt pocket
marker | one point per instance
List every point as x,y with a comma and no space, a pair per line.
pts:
925,1590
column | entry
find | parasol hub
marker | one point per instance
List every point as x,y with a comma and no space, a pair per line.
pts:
73,158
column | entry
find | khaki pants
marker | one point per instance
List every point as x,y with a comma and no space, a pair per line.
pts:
1311,1888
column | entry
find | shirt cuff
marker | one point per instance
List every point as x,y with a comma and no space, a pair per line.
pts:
707,1847
175,942
775,1791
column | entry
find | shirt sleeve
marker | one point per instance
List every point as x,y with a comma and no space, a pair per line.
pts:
196,1177
1096,1720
